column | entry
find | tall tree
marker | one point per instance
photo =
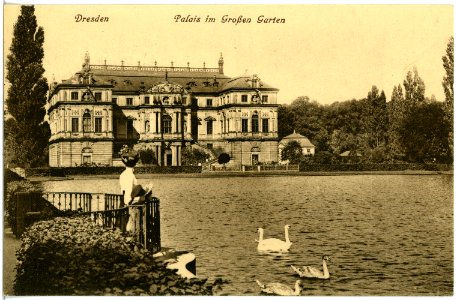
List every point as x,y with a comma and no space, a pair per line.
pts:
377,118
27,91
396,110
448,85
414,89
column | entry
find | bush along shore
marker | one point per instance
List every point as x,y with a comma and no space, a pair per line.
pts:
303,167
103,170
73,256
363,167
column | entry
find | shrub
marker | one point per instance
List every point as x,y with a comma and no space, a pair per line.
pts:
373,167
9,202
147,156
74,256
72,171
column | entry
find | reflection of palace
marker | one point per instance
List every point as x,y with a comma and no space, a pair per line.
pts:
103,107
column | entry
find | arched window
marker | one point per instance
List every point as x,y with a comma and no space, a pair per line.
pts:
255,123
86,122
166,124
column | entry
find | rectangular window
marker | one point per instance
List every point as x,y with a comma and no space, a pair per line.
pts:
184,100
255,124
129,101
98,96
74,96
98,125
264,125
209,127
167,125
244,125
209,146
264,98
146,100
209,102
86,159
114,100
244,98
74,124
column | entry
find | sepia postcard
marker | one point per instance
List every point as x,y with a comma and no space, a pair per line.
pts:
228,150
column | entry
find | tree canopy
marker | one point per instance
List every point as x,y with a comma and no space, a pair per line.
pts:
381,130
292,152
26,134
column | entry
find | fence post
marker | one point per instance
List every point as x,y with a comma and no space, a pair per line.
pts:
152,216
25,203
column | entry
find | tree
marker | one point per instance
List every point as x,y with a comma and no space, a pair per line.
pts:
147,156
377,123
285,121
27,91
414,89
292,151
307,116
397,113
424,134
192,157
448,85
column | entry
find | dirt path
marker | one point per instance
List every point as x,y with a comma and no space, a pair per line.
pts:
10,245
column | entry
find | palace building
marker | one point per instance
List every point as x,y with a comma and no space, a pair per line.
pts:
165,109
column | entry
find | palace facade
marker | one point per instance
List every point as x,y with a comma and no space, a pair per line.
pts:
165,109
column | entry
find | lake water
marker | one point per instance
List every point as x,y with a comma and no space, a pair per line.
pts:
386,234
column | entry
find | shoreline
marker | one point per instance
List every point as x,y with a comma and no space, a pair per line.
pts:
247,174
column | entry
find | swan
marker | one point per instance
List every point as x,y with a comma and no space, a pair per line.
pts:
180,265
272,244
280,289
312,272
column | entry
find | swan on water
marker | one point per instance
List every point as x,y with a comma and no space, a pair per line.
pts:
312,272
180,264
272,244
280,288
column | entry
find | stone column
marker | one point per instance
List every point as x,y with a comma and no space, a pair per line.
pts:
174,155
178,153
159,155
189,123
159,121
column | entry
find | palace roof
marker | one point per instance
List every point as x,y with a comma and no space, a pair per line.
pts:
133,79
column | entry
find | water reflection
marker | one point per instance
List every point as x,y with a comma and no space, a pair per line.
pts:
387,235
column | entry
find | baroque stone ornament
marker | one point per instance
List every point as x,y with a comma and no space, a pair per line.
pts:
167,87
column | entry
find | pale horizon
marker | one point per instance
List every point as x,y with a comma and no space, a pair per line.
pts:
326,52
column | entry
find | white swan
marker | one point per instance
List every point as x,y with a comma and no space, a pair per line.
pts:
280,289
180,264
272,244
312,272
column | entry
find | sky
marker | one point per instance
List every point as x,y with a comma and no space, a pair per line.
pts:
326,52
